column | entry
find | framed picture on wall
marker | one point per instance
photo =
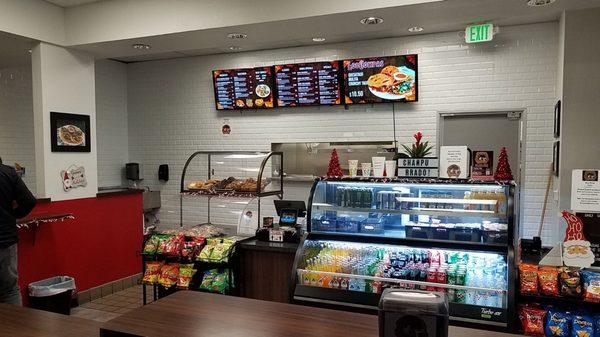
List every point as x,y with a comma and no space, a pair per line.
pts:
70,132
557,108
556,157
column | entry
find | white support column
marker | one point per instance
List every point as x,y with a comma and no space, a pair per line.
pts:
63,81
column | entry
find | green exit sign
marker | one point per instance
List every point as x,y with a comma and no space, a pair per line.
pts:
479,33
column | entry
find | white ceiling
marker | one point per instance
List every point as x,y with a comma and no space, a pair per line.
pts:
70,3
14,50
449,15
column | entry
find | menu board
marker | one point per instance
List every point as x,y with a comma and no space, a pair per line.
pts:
381,79
250,88
305,84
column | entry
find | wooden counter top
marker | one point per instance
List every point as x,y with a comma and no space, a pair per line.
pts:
196,314
26,322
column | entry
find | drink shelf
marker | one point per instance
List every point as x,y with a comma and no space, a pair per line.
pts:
415,211
449,201
403,281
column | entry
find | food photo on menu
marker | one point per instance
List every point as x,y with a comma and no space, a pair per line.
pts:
249,88
381,79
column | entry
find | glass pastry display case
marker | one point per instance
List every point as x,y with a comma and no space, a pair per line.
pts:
439,235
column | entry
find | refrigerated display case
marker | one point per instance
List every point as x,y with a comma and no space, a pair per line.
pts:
454,236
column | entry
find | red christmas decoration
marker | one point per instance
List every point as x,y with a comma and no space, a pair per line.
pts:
574,227
334,170
503,171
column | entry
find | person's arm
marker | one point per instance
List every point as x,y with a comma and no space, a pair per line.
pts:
24,198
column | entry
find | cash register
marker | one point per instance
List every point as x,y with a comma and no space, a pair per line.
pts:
287,229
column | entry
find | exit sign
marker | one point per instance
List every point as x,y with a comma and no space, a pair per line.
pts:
479,33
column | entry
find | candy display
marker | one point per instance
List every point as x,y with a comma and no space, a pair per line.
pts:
152,272
591,286
570,282
532,320
528,276
548,280
408,268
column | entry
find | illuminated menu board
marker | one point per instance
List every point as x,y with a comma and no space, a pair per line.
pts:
250,88
305,84
381,79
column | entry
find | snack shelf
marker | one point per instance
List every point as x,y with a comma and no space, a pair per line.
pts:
558,300
300,273
415,211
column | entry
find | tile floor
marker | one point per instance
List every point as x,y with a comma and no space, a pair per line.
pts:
106,308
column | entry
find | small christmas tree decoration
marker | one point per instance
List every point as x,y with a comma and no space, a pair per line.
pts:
334,170
503,171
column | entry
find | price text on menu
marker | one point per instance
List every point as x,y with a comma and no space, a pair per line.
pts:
243,88
308,84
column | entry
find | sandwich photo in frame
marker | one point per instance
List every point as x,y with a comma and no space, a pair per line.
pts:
70,132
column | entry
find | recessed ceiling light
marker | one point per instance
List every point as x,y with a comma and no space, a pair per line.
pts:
235,48
318,39
141,46
539,3
371,20
415,29
235,36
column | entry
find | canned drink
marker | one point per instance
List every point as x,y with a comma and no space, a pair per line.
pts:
442,276
459,296
460,277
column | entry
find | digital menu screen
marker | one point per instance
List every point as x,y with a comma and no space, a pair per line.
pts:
381,79
305,84
250,88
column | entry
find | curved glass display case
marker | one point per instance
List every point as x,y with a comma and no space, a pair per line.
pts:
438,235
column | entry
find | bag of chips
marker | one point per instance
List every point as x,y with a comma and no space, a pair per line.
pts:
163,239
191,249
220,283
207,250
597,326
548,281
208,279
532,320
169,274
528,276
570,282
174,245
582,326
557,323
152,272
186,272
151,245
591,286
221,252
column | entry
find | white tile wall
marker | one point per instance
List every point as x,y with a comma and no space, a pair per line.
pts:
16,121
111,122
171,107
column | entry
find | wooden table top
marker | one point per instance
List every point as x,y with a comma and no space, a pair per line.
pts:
25,322
196,314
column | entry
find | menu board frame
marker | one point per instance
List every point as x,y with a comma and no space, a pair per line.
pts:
340,86
385,61
271,83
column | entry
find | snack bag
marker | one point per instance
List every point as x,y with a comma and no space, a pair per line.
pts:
162,243
557,323
532,320
186,272
152,272
220,283
208,279
151,245
169,274
548,281
570,282
582,326
207,250
597,326
528,275
174,245
591,286
221,252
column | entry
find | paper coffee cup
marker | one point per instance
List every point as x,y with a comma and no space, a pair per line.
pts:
378,166
390,168
353,168
366,169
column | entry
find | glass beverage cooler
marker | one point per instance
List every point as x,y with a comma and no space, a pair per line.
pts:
436,235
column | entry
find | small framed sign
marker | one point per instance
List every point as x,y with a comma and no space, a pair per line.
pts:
70,132
557,108
556,158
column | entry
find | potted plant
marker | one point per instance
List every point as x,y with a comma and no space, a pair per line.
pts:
413,161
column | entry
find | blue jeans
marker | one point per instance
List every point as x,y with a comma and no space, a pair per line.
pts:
9,287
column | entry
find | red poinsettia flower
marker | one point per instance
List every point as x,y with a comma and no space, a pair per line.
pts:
418,136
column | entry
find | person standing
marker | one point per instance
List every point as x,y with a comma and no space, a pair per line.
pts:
16,201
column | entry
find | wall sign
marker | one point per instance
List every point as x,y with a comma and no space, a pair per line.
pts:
418,167
479,33
70,132
73,177
454,162
585,190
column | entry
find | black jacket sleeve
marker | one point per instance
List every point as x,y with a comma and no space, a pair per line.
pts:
24,198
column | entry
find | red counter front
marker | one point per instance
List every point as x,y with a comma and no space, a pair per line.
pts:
102,244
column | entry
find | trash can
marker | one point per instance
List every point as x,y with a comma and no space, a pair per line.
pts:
413,313
52,294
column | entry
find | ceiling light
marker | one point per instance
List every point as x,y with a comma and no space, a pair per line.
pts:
235,48
371,20
539,3
318,39
235,36
415,29
141,46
